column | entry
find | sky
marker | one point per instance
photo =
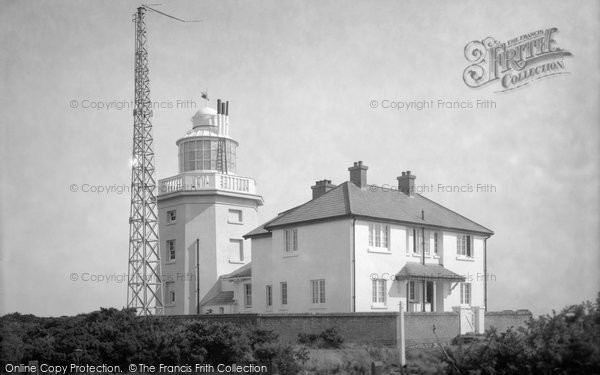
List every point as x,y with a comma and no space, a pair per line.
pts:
301,77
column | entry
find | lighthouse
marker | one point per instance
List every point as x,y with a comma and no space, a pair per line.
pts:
203,213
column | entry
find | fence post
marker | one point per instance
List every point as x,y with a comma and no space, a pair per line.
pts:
401,339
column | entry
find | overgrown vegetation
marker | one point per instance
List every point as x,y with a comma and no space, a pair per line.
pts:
563,343
120,337
328,338
567,342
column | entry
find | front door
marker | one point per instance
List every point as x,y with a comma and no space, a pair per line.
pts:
430,295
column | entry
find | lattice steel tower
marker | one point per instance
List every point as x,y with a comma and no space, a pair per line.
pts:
144,285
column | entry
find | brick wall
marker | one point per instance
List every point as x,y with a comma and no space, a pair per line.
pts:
358,328
370,328
240,319
419,327
503,320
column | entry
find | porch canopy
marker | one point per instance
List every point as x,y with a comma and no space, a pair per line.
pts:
427,272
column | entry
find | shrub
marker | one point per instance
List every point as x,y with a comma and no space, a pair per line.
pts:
568,342
308,338
281,357
329,338
332,338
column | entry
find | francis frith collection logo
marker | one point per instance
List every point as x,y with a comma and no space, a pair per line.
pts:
515,63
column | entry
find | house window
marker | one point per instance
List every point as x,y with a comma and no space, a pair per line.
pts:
171,216
284,293
436,244
235,216
170,293
248,295
236,250
463,245
412,294
171,250
269,296
318,291
426,243
415,241
465,293
378,235
291,240
379,291
221,310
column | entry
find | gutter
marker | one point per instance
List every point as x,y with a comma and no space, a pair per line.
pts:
197,276
353,270
424,291
485,304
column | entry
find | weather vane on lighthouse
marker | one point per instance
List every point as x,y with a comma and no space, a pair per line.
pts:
205,97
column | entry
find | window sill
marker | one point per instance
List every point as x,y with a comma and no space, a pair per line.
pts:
414,255
170,262
436,257
318,308
467,259
235,222
378,306
379,250
171,223
292,255
236,261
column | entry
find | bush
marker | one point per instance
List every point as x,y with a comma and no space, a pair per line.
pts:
308,338
120,337
332,338
329,338
568,342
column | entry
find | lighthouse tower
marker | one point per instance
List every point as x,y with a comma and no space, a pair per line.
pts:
203,213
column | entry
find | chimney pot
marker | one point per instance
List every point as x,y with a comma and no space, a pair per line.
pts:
406,184
321,187
358,174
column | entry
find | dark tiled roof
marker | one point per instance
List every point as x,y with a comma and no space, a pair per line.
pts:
331,204
348,199
243,271
418,271
223,298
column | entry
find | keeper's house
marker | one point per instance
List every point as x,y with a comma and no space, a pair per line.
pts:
357,248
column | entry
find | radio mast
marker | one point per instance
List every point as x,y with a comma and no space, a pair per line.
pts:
144,283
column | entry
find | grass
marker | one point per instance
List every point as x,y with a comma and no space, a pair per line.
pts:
357,360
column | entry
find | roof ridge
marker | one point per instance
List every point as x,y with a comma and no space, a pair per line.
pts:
454,212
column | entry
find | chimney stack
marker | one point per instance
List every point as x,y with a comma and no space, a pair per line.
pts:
406,183
321,187
358,174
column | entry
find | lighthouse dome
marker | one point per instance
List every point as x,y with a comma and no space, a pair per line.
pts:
204,117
